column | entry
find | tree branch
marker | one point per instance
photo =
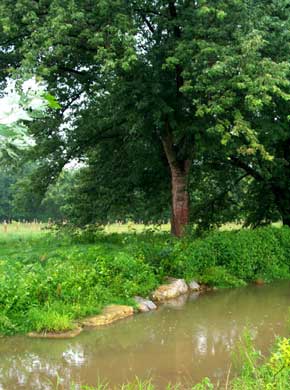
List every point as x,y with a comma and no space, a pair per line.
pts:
148,24
250,171
72,70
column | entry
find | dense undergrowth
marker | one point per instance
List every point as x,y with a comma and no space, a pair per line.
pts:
48,280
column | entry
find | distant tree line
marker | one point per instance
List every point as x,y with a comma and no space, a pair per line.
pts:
18,200
68,198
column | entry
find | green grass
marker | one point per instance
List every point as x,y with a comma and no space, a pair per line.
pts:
49,279
49,320
131,227
20,229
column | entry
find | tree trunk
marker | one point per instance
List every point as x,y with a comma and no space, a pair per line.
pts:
180,201
179,188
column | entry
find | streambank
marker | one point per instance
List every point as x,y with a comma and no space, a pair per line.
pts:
181,342
174,293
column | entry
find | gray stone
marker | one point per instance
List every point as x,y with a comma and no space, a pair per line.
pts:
173,289
151,304
145,305
193,286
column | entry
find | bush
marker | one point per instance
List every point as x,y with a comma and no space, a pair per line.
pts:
257,372
219,277
245,255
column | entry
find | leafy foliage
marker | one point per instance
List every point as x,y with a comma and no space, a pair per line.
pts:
245,254
38,284
19,105
63,277
181,80
272,373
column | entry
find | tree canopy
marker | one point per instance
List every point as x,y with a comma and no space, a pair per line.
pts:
151,91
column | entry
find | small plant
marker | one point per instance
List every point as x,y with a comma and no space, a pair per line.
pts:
49,320
280,360
6,325
260,373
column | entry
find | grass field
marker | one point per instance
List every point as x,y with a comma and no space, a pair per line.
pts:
18,229
135,228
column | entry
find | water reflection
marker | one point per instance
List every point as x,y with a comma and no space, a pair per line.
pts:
74,356
179,342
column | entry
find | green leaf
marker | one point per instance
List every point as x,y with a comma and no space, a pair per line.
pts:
52,102
6,131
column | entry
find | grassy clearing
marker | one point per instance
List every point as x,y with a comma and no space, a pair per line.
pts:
130,227
20,229
50,279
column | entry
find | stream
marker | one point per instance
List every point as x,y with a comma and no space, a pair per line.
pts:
183,341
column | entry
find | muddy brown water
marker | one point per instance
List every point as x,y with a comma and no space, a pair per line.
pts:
180,342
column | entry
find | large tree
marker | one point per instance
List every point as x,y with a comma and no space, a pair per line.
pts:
180,77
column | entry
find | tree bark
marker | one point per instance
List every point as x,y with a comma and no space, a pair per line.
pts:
179,168
180,201
179,188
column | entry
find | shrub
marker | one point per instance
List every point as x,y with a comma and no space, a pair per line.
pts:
273,373
245,254
219,277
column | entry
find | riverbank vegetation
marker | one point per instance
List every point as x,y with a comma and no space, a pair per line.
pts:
49,279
